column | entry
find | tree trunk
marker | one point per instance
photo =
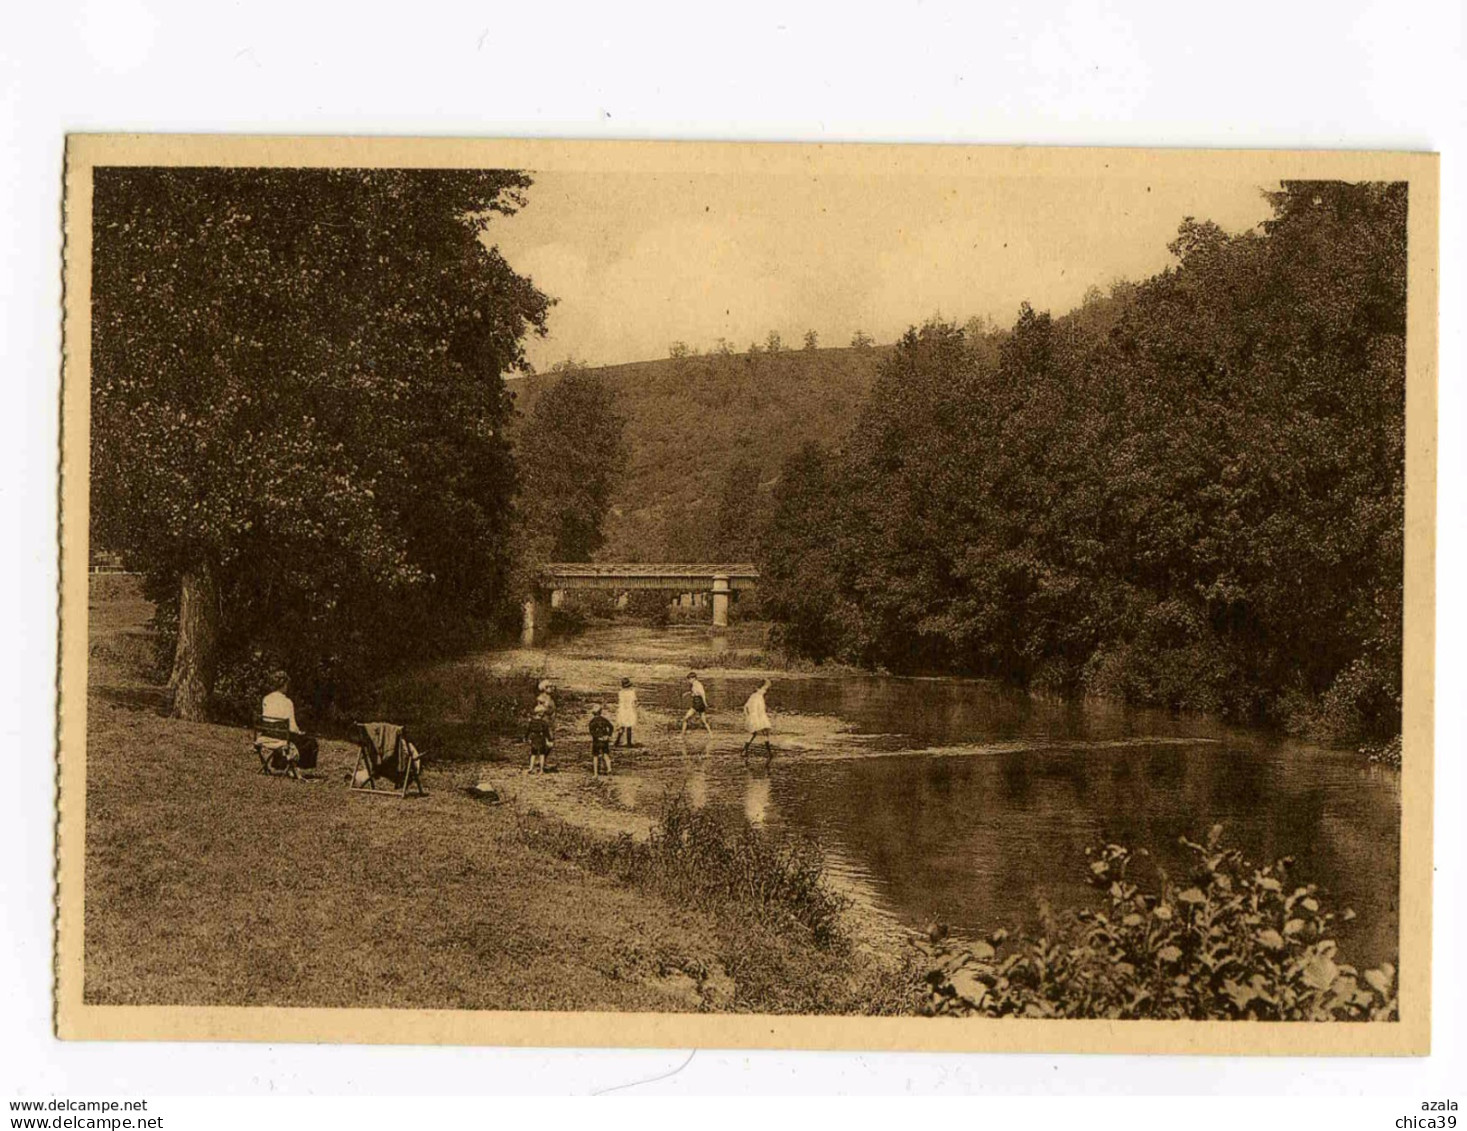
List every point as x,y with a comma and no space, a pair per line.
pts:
196,659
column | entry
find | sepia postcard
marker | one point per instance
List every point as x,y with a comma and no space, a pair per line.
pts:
747,595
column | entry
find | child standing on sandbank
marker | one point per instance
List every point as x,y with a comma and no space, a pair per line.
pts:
626,712
600,727
541,737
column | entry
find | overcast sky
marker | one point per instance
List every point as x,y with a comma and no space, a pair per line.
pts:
638,261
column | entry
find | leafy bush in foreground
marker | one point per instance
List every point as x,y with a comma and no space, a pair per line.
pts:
1233,942
695,858
776,919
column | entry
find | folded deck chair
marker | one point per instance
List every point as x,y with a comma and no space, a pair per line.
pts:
388,756
272,744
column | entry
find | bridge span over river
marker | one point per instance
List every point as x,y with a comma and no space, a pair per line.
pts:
694,582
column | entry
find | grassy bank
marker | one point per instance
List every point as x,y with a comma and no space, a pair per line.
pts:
207,883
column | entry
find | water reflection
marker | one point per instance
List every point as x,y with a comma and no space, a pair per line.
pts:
980,842
756,799
695,788
965,802
626,788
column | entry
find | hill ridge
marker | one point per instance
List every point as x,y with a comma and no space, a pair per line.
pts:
690,419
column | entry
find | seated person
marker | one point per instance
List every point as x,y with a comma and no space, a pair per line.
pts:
278,705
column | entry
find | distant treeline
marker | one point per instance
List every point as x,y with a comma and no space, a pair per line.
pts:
1186,493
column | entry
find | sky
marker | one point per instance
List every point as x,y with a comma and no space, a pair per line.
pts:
637,261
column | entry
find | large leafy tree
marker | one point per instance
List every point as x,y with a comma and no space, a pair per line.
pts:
298,407
573,451
1190,492
740,516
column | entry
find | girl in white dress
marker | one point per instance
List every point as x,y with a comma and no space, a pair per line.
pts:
626,712
756,719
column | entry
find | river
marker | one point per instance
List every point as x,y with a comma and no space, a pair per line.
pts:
968,803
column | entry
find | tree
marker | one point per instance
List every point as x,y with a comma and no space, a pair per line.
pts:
739,519
804,566
298,407
861,340
1188,492
981,325
772,343
688,532
678,350
573,452
812,340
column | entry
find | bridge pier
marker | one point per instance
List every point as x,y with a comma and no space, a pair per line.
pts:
720,600
527,625
696,585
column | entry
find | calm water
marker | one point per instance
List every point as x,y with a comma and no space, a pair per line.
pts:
962,802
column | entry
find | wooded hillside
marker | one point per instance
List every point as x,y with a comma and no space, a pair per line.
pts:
689,420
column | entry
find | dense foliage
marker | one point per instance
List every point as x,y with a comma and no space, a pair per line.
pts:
691,419
573,451
1229,942
298,411
1188,493
782,935
696,857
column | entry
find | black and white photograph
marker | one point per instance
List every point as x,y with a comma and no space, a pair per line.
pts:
801,595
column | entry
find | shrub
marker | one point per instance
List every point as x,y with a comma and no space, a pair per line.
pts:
650,605
1385,753
456,691
1232,942
695,858
776,920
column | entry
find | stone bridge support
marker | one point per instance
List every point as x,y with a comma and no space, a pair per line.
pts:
689,585
531,612
720,600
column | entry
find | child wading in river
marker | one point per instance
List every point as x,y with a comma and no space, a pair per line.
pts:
600,728
540,736
626,712
756,719
699,709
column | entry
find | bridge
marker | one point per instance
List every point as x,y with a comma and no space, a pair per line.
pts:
696,581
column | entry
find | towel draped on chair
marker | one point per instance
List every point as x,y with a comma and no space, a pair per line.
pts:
391,755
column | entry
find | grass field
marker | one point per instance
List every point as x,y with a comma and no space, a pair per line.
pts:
210,884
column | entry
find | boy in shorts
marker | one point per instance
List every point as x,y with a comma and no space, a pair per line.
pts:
600,728
541,738
699,709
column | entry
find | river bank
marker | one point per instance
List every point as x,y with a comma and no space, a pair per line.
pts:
932,800
941,799
208,883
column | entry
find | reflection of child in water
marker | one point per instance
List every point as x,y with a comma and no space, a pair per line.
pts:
756,719
600,728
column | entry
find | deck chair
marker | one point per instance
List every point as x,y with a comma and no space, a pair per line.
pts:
387,755
272,745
